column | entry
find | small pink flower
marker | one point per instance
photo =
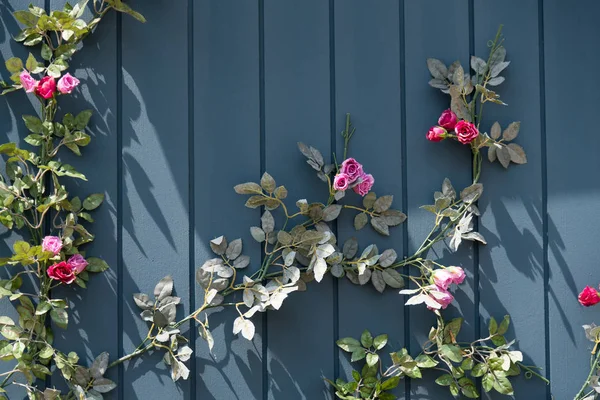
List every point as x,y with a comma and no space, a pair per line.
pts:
442,297
46,87
436,134
365,184
448,120
67,83
53,244
341,182
352,169
77,263
29,84
442,278
458,274
466,132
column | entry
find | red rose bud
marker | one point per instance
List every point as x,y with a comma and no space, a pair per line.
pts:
466,132
589,296
46,87
61,272
448,120
436,134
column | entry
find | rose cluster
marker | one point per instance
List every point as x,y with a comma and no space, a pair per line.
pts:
464,131
589,296
46,87
351,175
442,279
63,271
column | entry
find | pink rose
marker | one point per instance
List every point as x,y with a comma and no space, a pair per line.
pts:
352,169
53,244
341,182
29,84
440,297
77,263
458,274
465,132
365,184
448,120
67,83
61,272
436,134
442,278
46,87
589,296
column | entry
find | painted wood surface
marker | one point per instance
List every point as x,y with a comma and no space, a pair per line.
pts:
210,93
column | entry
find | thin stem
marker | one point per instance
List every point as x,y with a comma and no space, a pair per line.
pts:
581,392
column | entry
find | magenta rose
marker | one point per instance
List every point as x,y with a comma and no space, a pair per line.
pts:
448,120
442,278
436,134
465,132
61,272
352,169
77,263
46,87
365,184
457,273
29,84
67,83
53,244
341,182
588,297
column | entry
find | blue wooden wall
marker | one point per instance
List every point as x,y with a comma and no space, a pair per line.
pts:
210,93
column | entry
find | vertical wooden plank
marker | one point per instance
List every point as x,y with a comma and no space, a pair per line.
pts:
155,179
573,213
297,103
428,34
227,152
12,129
511,265
93,326
367,62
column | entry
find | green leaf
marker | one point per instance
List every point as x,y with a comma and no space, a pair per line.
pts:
468,388
504,325
372,359
96,265
31,64
452,329
393,278
360,220
471,193
437,68
349,344
383,203
82,119
43,308
60,317
26,18
380,226
452,352
390,383
14,65
487,382
46,52
358,355
478,370
369,200
444,380
425,361
34,124
366,339
493,326
104,385
93,201
248,188
511,131
331,212
267,183
503,385
380,341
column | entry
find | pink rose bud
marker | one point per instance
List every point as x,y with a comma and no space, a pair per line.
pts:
77,263
29,84
67,83
341,182
352,169
441,298
442,278
46,87
53,244
365,184
448,120
458,274
589,296
436,134
466,132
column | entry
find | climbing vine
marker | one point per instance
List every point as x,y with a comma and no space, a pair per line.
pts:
298,243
